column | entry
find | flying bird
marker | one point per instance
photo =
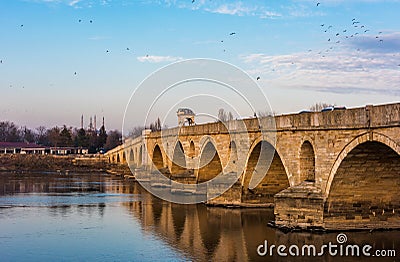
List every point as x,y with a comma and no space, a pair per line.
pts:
366,30
233,33
344,31
75,73
322,24
329,40
107,51
91,21
329,26
337,34
258,78
193,1
318,3
22,25
80,20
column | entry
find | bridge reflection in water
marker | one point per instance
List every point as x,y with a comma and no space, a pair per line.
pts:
198,232
224,234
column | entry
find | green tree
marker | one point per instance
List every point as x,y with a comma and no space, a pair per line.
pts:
81,139
65,137
102,138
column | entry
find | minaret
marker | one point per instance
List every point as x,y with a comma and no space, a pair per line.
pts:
90,124
82,121
95,129
103,122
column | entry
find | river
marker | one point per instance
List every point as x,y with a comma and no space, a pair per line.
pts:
87,217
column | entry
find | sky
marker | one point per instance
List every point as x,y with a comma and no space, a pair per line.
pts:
64,58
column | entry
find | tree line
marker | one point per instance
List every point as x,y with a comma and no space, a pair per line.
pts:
94,140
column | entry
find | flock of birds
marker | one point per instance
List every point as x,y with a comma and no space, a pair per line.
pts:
335,37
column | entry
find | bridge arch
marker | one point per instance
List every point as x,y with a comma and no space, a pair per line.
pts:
210,164
274,177
178,159
157,158
140,155
118,159
307,162
131,157
364,188
354,143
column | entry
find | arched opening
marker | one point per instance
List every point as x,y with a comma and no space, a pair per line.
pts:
178,160
140,156
264,162
131,158
307,162
192,150
123,157
210,164
365,189
109,159
157,158
118,160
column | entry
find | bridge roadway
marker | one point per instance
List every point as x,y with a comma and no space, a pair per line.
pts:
336,170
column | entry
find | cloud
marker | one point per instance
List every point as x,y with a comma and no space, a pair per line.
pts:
380,42
345,71
158,59
74,2
242,9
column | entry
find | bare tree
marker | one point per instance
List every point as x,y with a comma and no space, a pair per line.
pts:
319,106
224,116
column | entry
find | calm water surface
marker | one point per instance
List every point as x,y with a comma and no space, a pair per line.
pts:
87,217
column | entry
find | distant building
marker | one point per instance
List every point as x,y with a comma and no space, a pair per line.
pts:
185,115
32,148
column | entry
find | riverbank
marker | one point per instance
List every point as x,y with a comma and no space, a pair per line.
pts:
52,163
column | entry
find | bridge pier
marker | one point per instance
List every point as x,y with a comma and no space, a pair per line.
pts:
300,206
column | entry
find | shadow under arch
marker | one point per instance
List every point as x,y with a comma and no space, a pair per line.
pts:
140,155
351,145
157,159
210,163
131,156
364,190
264,161
178,160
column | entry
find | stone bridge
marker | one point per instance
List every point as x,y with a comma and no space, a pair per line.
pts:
335,170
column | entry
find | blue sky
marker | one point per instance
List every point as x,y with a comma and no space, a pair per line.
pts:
44,42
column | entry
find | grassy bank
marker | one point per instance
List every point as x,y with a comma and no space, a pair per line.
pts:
20,162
